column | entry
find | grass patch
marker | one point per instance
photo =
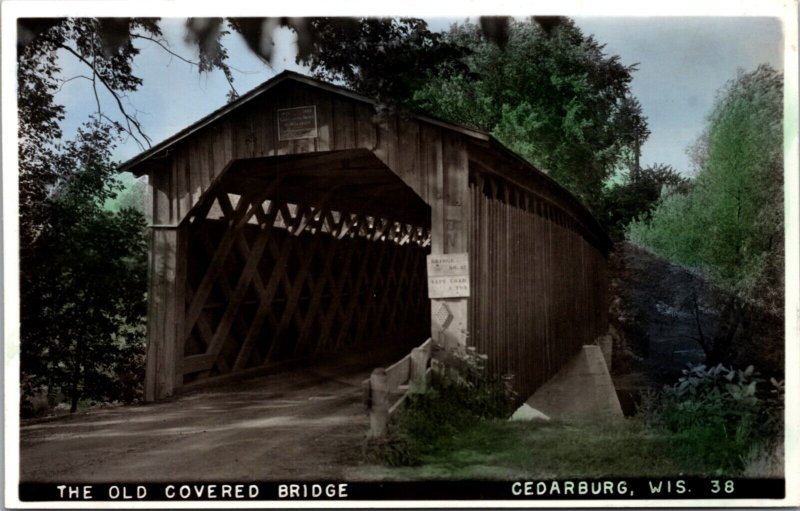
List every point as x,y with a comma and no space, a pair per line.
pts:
713,422
498,449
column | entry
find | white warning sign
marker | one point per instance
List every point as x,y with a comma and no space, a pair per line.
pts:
448,275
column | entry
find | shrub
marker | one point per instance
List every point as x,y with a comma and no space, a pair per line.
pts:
461,392
718,415
34,400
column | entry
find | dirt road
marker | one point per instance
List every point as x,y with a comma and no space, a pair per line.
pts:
300,424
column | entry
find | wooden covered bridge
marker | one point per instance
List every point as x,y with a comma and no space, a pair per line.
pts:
292,224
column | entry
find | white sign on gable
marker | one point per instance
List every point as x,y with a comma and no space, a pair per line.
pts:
297,123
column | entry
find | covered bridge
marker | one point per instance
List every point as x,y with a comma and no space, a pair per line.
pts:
292,223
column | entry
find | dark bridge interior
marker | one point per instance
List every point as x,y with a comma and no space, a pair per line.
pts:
296,257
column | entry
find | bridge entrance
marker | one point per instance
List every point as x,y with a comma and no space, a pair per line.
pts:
297,257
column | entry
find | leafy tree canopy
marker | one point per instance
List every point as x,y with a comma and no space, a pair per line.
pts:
83,289
384,58
550,94
638,194
731,222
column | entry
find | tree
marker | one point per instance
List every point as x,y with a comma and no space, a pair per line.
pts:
741,182
83,290
550,94
82,269
384,58
730,223
638,194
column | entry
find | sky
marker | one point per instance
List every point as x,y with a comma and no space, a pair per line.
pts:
681,64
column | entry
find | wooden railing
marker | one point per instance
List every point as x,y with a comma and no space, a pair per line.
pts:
387,388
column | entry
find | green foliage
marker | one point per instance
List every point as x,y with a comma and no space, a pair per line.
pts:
637,194
461,392
713,421
105,47
718,415
131,194
731,222
83,289
513,450
82,266
550,94
384,58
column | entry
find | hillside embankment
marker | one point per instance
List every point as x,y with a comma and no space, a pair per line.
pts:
661,315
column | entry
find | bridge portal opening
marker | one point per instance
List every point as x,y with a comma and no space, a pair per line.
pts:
298,257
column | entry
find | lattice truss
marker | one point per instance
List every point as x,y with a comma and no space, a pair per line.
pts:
270,281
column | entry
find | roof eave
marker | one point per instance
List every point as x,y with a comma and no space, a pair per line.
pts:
131,164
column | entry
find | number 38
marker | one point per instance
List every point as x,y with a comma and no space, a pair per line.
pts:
726,486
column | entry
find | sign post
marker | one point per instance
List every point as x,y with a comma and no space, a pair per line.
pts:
448,286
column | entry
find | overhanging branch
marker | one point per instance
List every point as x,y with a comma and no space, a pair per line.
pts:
130,120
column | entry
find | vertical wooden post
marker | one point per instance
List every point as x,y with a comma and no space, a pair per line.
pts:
379,398
165,312
418,366
181,263
449,220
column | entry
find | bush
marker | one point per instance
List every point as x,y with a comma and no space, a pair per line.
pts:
34,401
719,415
461,392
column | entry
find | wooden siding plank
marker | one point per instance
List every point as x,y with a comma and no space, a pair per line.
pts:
366,131
325,140
343,122
533,308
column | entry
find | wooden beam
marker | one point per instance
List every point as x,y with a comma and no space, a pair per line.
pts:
162,328
243,284
224,286
291,300
236,222
311,163
394,203
331,251
357,289
198,363
449,235
336,299
264,305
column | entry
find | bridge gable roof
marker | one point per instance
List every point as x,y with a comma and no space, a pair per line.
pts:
133,165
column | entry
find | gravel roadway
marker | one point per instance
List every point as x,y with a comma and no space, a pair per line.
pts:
301,424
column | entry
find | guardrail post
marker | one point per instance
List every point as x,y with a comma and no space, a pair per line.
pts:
419,363
365,392
379,400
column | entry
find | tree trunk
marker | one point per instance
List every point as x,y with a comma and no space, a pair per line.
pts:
734,322
76,376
